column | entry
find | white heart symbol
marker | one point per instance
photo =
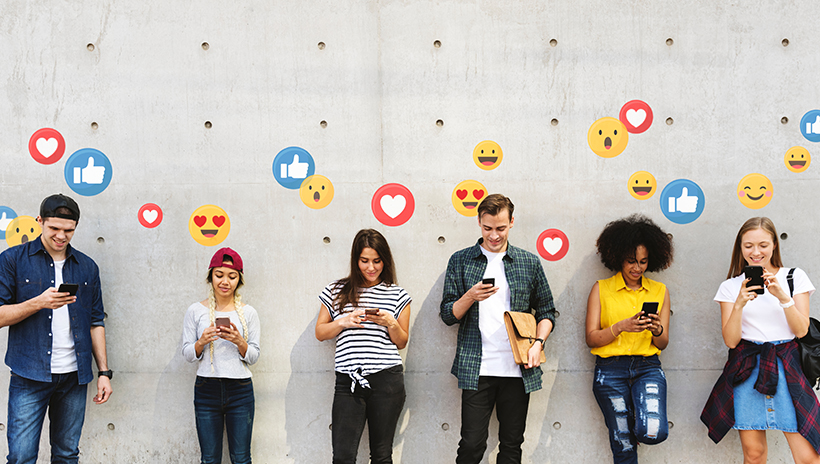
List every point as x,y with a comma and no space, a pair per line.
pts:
150,215
393,206
635,117
553,245
47,147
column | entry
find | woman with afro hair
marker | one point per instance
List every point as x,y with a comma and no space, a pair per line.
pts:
627,326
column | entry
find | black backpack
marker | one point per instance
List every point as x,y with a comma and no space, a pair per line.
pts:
809,344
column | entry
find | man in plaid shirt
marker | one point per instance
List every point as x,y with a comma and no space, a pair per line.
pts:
484,362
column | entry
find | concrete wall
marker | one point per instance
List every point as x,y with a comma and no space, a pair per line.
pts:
139,73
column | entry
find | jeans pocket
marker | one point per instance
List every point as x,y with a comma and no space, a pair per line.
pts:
244,382
200,381
652,361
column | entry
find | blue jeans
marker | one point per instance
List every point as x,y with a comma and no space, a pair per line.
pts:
380,406
222,404
64,398
631,392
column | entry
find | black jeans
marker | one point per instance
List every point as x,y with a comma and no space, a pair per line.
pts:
379,406
507,396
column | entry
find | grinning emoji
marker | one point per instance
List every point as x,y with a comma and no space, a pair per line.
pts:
209,225
797,159
466,197
487,155
607,137
755,191
22,229
642,185
316,192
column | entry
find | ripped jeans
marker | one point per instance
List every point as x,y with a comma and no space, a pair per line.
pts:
631,392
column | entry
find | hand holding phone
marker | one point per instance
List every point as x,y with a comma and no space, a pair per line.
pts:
371,312
649,307
223,322
71,289
755,273
488,281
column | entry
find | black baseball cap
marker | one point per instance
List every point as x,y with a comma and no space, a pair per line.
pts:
49,207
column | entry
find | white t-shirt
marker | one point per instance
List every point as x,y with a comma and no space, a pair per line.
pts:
63,357
497,359
763,318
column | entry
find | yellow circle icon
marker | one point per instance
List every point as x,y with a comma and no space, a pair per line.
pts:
755,191
487,155
467,196
22,229
316,192
209,225
607,137
797,159
642,185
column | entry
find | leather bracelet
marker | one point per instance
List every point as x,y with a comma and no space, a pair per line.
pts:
659,333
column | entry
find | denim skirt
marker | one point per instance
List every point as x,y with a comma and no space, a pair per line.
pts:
756,411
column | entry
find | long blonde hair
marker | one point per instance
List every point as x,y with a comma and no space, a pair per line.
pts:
237,304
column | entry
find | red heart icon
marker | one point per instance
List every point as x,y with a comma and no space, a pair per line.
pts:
219,220
200,220
478,194
461,194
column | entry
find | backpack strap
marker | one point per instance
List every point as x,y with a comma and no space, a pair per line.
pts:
790,280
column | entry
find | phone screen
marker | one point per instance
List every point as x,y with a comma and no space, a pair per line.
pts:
650,307
756,274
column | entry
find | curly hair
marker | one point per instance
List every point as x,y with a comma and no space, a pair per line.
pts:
619,240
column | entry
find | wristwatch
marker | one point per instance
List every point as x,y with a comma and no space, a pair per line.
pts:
540,340
109,373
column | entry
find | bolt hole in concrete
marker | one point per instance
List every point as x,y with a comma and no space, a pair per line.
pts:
323,124
554,122
110,426
321,45
208,124
442,239
437,43
784,120
669,41
669,121
90,47
785,42
439,123
445,426
670,236
326,239
94,125
671,424
784,236
556,425
330,427
553,43
2,426
100,240
205,45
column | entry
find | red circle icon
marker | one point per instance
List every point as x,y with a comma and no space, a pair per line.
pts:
46,146
150,215
393,204
552,244
636,115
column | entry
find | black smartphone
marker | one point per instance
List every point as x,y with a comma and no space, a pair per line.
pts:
223,322
70,288
488,280
650,307
756,274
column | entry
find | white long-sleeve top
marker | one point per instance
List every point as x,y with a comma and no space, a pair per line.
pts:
227,362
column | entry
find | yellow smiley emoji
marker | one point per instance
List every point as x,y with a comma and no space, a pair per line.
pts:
22,229
316,192
487,155
797,159
466,197
642,185
607,137
209,225
755,191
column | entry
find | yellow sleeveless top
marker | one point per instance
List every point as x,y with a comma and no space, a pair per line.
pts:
619,302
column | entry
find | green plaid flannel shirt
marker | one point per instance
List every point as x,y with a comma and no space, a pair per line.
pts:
529,291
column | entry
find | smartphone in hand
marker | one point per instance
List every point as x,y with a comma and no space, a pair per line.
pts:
371,312
649,307
488,281
70,288
756,274
223,322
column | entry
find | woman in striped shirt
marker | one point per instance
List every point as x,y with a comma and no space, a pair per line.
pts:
369,315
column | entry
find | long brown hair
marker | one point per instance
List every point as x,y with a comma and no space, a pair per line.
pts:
738,262
351,285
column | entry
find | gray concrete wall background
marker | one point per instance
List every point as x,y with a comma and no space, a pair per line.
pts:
380,84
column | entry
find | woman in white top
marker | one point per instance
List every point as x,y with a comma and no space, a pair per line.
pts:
221,334
762,386
369,315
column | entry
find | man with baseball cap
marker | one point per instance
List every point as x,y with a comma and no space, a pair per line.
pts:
52,335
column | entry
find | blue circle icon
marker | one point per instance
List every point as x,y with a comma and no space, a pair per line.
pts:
6,215
291,166
88,172
810,126
682,201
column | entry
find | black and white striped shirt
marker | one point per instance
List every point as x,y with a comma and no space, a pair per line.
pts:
366,350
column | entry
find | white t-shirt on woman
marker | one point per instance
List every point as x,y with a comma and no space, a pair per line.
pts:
763,318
